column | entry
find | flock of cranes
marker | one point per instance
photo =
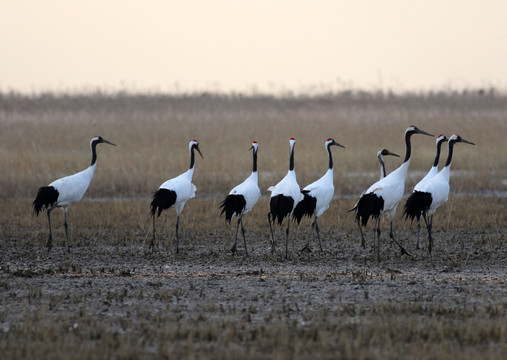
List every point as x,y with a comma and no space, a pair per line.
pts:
287,199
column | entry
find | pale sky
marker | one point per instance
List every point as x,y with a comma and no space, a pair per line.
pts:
232,45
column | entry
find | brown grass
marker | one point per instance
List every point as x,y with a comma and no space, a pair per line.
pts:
45,138
114,298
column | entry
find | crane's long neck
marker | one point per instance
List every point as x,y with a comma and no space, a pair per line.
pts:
446,171
408,146
94,153
192,158
449,155
437,156
382,167
254,168
291,160
330,156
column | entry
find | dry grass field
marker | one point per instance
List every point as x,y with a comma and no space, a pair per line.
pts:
113,297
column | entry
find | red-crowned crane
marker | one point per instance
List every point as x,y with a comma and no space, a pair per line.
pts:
67,191
432,193
384,195
242,199
433,171
380,155
317,196
284,197
175,192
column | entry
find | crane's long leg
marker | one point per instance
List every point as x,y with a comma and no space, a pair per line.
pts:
363,244
418,232
428,226
272,236
307,246
50,238
243,233
391,235
233,248
318,233
377,231
152,244
66,228
287,239
177,237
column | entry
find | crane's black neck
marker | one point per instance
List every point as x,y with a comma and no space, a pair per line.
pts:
381,159
192,157
449,155
254,160
330,156
408,146
94,152
437,156
291,161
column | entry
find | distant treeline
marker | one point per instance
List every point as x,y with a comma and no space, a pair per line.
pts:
127,101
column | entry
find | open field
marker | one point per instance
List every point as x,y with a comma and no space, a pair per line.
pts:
113,297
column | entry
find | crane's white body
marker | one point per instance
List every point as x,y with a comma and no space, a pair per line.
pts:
289,187
322,190
249,189
420,185
438,187
72,188
183,187
391,189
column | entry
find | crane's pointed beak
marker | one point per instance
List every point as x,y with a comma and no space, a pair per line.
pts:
422,132
335,143
392,154
108,142
199,151
466,141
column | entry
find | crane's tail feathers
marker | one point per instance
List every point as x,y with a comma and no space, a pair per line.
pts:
280,206
233,205
162,199
417,202
369,205
46,196
304,207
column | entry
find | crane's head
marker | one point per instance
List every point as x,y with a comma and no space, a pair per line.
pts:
99,140
331,142
456,138
254,146
292,142
194,144
385,152
412,129
440,139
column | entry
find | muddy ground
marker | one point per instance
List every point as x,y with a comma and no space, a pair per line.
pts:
126,301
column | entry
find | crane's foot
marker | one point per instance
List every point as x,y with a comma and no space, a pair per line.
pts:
405,252
49,243
307,249
233,249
